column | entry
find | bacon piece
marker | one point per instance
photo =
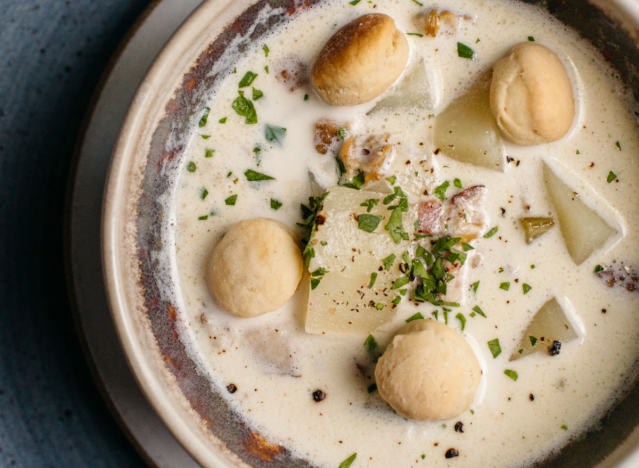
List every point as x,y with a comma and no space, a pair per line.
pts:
468,219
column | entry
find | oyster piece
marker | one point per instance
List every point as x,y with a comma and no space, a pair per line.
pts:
535,227
330,134
549,324
583,230
619,275
432,21
371,155
468,218
467,132
432,218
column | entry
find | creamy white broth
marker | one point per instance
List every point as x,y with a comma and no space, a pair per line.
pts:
507,428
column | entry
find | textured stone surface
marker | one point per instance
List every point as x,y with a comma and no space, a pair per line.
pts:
52,54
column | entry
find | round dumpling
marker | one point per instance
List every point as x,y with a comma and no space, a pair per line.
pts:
255,268
531,96
428,372
360,61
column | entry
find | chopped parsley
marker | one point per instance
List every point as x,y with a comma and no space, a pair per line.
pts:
253,176
341,133
248,79
266,50
466,247
245,108
368,222
599,268
462,320
388,261
526,288
478,310
392,179
206,137
370,344
475,285
395,228
223,120
372,387
418,268
414,34
315,282
354,2
357,181
495,349
204,118
349,461
400,282
257,94
440,191
370,203
309,214
204,193
209,153
379,306
229,174
373,279
306,97
512,374
276,205
504,286
464,51
191,167
492,232
266,69
531,39
577,152
420,4
457,183
230,201
417,316
532,267
611,176
202,218
618,145
564,427
274,134
533,340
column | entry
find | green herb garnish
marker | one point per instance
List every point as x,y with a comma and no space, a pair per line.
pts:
276,205
599,268
341,133
266,50
306,97
372,388
504,286
531,39
253,176
495,349
257,94
388,261
526,288
466,247
248,79
370,203
274,133
223,120
395,227
491,233
414,34
440,191
245,108
202,218
204,117
392,179
512,374
400,282
191,167
204,193
349,461
457,183
618,145
611,176
479,311
564,427
533,340
373,279
462,320
209,153
464,51
417,316
475,286
357,181
354,2
206,137
230,201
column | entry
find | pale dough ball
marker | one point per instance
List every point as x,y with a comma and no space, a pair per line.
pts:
360,61
428,372
255,268
531,96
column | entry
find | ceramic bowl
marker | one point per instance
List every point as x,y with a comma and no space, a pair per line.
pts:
137,238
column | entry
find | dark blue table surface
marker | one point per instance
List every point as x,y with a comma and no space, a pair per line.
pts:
52,54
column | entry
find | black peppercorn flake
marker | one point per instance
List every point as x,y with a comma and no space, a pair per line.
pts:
555,349
451,453
231,388
459,427
318,395
532,397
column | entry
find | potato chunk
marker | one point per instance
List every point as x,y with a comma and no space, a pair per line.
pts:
584,231
548,325
342,302
414,91
467,132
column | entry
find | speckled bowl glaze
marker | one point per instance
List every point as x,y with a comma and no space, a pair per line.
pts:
137,235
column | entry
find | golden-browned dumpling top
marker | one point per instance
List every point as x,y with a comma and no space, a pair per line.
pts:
255,268
360,61
428,372
531,96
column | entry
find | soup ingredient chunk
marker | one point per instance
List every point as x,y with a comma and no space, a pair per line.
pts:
549,325
412,92
431,22
428,372
346,300
361,61
535,227
531,96
467,132
371,155
255,268
619,275
584,231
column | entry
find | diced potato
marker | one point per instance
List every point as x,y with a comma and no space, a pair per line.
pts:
584,231
535,227
467,132
549,324
405,165
413,91
342,301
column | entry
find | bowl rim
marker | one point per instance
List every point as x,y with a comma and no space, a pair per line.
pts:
193,35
